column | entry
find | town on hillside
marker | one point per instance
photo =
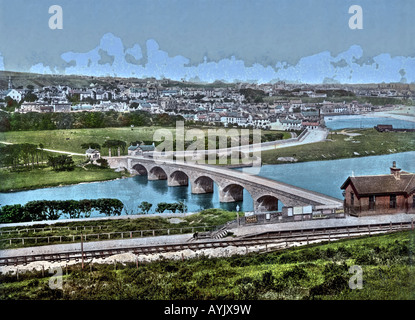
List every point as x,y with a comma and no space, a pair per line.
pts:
277,106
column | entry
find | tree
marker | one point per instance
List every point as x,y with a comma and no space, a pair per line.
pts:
41,146
181,206
110,144
145,207
92,145
30,97
161,207
103,163
61,163
109,206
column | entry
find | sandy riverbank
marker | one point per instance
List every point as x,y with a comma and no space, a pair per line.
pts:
405,114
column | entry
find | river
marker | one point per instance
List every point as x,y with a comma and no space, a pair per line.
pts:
364,121
322,176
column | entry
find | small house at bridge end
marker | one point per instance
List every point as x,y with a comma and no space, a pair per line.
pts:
380,194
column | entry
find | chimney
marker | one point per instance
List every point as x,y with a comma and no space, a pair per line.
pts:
395,171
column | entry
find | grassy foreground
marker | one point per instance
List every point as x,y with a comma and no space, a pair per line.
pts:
312,272
367,142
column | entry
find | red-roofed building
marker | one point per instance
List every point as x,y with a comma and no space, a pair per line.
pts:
380,194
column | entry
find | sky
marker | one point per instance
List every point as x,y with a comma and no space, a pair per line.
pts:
207,40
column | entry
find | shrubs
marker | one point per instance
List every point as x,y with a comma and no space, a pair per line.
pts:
40,210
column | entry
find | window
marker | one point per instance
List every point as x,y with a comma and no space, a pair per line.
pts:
413,201
372,202
392,202
352,199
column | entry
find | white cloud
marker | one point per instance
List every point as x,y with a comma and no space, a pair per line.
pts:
344,67
1,62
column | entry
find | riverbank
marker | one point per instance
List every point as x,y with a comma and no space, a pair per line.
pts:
38,178
405,114
348,143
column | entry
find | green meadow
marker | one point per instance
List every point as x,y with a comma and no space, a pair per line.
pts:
366,142
46,177
72,139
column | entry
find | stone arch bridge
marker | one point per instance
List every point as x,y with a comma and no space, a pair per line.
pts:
231,183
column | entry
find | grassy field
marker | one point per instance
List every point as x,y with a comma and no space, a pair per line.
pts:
207,218
46,177
72,139
310,272
337,146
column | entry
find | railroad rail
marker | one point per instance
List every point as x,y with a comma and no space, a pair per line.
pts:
278,239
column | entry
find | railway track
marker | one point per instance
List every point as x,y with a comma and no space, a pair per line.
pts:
277,239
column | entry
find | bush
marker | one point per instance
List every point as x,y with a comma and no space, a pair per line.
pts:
295,275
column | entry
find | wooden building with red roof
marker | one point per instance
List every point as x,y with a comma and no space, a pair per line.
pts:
380,194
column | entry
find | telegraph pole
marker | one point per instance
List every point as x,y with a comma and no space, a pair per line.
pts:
82,250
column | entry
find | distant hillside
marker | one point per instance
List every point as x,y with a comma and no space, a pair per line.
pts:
22,80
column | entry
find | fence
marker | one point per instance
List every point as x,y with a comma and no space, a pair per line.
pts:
278,217
43,229
105,235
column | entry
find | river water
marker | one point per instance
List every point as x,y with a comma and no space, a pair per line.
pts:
322,176
359,121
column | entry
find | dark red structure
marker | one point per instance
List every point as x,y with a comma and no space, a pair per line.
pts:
380,194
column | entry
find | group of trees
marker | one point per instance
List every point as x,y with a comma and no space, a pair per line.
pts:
16,155
115,144
163,206
40,210
61,163
27,156
173,207
78,120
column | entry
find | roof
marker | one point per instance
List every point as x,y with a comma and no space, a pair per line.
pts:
382,184
132,147
145,147
91,151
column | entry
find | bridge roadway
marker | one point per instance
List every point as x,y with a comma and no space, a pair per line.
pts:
265,192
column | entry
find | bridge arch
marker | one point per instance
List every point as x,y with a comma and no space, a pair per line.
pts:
157,173
231,192
141,170
202,184
178,178
266,203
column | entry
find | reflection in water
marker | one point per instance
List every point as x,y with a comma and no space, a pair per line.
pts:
179,193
